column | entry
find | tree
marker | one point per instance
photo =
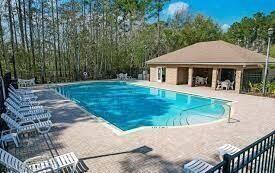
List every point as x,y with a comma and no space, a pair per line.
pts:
12,38
251,32
155,10
55,41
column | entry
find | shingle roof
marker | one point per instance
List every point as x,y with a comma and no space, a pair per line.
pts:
212,52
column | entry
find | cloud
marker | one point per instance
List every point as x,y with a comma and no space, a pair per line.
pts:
225,27
177,6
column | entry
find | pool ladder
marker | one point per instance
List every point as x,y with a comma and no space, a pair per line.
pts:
180,119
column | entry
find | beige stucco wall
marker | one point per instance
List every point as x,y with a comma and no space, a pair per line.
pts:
172,75
182,75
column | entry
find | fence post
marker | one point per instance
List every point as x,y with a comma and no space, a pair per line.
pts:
226,167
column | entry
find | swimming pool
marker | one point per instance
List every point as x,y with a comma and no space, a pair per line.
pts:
129,106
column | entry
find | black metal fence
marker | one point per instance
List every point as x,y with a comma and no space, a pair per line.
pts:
258,157
252,76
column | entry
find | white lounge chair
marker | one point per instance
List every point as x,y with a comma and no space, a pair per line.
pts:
197,166
9,136
25,91
23,103
28,116
24,97
227,149
26,82
27,126
57,164
21,92
31,109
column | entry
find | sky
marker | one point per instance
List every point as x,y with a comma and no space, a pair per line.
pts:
224,12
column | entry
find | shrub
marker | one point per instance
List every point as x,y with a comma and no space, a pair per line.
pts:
257,87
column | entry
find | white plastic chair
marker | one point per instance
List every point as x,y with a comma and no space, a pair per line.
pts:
231,86
28,116
9,136
125,76
32,82
57,164
21,82
200,80
23,103
121,76
206,81
225,85
227,149
197,166
27,126
24,91
29,109
24,97
219,84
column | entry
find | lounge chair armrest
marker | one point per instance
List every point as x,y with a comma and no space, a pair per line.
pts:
4,132
38,159
35,159
44,169
46,129
27,122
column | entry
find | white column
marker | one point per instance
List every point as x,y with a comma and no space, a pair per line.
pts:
190,76
238,79
214,78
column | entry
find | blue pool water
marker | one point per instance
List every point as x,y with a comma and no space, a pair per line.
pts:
129,106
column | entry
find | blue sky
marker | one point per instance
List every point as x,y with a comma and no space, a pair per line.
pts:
225,12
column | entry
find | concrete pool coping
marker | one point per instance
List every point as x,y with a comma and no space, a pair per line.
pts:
120,132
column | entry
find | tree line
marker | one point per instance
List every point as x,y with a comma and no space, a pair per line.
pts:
58,40
251,32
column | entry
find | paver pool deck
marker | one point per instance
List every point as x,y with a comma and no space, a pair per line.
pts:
156,149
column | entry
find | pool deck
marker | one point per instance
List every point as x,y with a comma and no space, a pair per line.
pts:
155,149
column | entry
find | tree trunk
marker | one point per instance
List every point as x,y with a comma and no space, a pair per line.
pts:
43,44
25,29
12,39
54,39
4,51
21,27
31,38
58,38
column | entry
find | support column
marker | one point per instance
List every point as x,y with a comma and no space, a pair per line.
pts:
190,76
214,78
238,80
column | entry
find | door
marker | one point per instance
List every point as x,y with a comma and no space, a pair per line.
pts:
161,73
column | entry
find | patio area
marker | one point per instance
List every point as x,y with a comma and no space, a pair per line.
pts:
154,149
